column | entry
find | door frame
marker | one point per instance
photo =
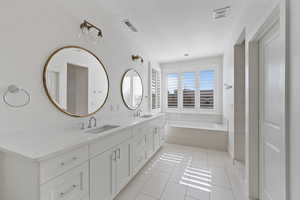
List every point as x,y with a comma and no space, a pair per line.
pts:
240,61
278,14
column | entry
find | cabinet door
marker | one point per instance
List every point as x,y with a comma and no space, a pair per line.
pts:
102,169
123,167
156,136
73,185
150,143
138,152
162,137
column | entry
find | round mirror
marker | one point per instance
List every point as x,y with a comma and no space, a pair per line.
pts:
132,89
75,81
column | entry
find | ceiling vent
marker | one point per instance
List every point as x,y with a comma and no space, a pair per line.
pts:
221,13
130,25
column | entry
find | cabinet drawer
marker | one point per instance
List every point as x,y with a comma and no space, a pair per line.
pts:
74,185
56,166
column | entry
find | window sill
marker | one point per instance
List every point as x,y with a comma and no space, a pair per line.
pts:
194,112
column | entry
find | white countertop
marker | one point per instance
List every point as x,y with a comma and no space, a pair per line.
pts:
41,144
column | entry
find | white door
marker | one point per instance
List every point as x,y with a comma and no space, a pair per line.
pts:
123,173
102,175
272,116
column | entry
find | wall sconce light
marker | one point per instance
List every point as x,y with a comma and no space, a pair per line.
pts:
137,57
88,28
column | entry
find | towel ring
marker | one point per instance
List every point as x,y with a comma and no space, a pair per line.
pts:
13,89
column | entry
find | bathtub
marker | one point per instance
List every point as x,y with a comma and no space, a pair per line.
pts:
208,135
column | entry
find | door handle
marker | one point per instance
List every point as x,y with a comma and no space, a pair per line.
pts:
70,190
114,156
118,153
69,161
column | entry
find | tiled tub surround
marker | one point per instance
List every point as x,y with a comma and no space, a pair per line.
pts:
205,131
73,164
186,173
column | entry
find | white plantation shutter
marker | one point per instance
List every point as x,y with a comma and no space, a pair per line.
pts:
155,89
192,91
188,89
158,86
207,89
172,81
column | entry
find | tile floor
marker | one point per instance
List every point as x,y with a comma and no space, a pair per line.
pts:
186,173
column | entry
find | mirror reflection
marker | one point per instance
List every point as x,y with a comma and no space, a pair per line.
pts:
132,89
76,81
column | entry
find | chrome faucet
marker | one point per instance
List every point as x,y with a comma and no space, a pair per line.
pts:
90,122
138,112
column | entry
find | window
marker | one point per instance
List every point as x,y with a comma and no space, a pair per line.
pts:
189,89
192,91
207,87
155,89
172,90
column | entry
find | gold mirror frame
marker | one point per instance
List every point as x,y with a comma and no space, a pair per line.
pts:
47,91
132,69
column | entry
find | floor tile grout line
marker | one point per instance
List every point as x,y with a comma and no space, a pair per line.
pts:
233,191
213,162
148,195
161,195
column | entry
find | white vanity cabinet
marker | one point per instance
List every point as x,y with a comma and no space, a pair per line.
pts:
97,169
53,167
150,143
73,185
146,142
101,172
138,152
110,172
123,165
156,139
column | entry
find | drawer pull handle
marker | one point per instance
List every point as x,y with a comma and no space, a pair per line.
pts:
81,181
114,156
68,162
71,189
118,153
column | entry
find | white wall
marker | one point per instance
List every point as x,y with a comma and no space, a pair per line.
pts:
32,30
294,116
249,22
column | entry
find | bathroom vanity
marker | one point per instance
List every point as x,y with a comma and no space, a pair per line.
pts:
76,164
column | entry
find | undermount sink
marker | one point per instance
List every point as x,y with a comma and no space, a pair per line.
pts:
146,116
102,129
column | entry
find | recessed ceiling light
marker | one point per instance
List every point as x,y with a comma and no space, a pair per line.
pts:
186,54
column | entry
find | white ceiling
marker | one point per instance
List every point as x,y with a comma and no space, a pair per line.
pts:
170,28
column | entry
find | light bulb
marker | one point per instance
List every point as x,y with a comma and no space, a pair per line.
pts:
85,30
